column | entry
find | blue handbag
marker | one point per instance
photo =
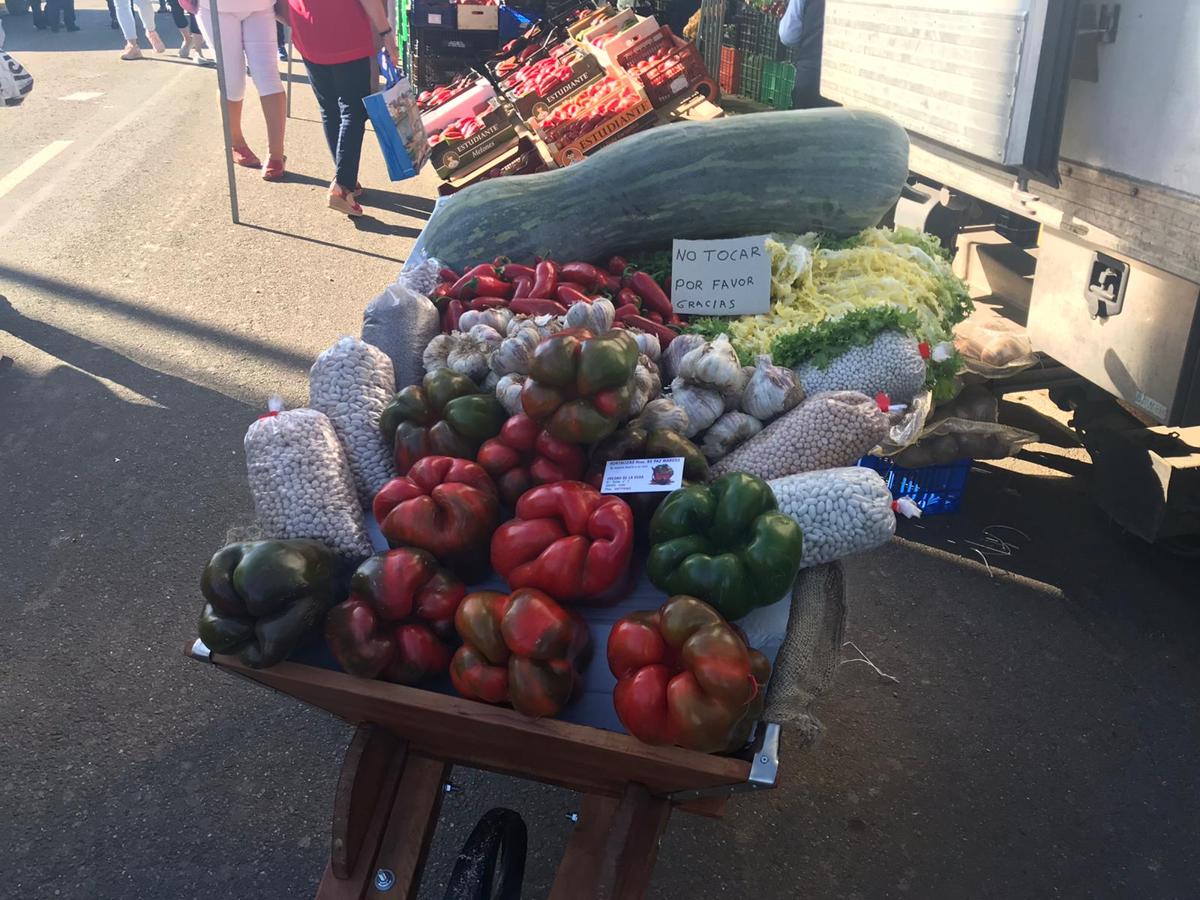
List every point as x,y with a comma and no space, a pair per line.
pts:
397,122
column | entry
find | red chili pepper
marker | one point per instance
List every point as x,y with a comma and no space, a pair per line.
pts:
512,271
623,312
664,334
449,275
442,290
454,312
626,297
537,306
485,286
545,279
584,273
655,317
483,269
521,287
647,288
487,303
675,319
569,293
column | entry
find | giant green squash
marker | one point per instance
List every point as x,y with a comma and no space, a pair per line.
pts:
802,170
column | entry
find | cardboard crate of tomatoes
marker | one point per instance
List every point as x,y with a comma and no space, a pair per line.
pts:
541,84
472,141
668,66
607,109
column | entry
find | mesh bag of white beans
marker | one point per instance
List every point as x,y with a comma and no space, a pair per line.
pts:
827,430
301,481
840,511
351,383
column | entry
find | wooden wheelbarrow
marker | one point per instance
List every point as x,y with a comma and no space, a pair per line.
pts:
392,780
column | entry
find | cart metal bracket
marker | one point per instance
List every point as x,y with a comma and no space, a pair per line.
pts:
200,651
764,769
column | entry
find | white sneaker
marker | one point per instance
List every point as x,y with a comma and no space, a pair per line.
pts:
132,51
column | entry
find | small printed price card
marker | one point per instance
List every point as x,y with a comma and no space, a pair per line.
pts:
642,476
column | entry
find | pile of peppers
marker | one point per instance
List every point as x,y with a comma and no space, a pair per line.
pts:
446,415
547,287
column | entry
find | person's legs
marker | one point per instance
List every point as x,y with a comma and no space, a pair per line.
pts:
353,83
324,87
68,8
258,39
124,13
39,17
234,58
112,15
145,11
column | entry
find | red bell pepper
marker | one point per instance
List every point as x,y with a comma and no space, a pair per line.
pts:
685,676
533,306
524,454
568,540
521,648
545,280
397,619
444,505
583,273
652,295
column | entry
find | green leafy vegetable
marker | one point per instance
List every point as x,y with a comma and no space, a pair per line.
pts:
822,343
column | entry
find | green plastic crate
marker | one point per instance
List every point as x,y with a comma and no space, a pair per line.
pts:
752,73
778,80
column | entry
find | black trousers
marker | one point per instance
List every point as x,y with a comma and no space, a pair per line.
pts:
340,89
39,18
60,11
184,19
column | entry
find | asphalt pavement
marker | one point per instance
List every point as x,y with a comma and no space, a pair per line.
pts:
1040,739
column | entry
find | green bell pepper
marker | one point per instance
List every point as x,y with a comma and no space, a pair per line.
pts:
263,598
446,415
580,385
725,543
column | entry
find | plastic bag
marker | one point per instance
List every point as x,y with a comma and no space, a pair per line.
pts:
351,383
954,439
301,481
905,425
975,402
401,322
993,347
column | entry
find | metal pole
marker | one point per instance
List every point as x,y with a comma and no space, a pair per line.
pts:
216,35
288,29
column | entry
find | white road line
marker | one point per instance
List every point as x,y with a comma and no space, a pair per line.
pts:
81,96
31,165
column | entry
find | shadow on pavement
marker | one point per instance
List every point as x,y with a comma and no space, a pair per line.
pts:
310,240
12,321
94,34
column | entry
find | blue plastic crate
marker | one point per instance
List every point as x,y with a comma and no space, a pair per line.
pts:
935,489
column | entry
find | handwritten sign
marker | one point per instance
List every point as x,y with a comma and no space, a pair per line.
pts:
721,278
642,476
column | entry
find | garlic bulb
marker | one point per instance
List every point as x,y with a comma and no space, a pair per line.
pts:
675,351
486,335
663,413
702,405
467,357
771,391
714,365
515,353
646,385
596,316
521,323
648,344
434,356
489,382
727,432
508,392
497,318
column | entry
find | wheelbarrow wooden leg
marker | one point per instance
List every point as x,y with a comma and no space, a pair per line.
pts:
384,815
613,849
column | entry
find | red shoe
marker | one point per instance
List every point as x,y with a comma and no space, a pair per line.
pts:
359,190
274,170
244,156
344,203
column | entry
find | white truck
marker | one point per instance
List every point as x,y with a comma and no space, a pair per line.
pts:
1082,118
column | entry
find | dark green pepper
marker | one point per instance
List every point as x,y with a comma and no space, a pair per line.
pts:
264,598
580,385
446,415
725,543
